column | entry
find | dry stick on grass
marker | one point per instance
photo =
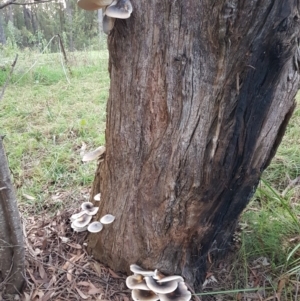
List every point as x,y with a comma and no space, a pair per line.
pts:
64,52
291,185
9,76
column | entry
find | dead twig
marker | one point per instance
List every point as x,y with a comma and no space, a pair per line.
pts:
290,186
9,76
13,2
84,269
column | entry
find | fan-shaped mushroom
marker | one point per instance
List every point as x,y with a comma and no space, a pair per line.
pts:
95,227
79,229
108,24
143,295
93,4
81,221
170,278
107,219
138,270
97,197
89,208
120,9
76,215
161,288
136,282
95,154
180,294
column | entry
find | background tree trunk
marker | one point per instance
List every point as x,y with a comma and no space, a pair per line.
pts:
69,17
2,33
201,93
11,236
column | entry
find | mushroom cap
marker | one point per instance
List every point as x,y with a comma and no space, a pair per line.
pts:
180,294
107,219
120,9
95,227
108,24
89,208
136,282
143,295
161,288
79,229
81,221
97,197
76,215
93,4
138,270
95,154
170,278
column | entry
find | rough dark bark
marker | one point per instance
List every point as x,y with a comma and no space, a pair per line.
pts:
201,93
11,236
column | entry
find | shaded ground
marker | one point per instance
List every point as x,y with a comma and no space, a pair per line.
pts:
59,268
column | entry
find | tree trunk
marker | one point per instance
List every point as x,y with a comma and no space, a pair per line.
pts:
69,14
2,33
27,18
201,93
11,237
99,20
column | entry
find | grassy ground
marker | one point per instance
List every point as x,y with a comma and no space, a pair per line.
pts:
51,110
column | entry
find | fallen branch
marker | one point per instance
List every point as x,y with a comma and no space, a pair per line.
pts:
13,2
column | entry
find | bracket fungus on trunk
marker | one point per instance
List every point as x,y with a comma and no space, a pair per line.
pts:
81,223
89,208
153,285
95,227
138,270
143,295
161,288
97,197
108,24
94,155
93,4
112,9
119,9
107,219
136,282
180,294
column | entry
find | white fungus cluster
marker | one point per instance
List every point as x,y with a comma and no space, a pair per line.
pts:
82,221
112,9
153,285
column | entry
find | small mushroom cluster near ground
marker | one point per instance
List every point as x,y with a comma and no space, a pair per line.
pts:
153,285
82,221
112,9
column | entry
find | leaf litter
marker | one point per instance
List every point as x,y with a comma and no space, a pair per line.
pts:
58,266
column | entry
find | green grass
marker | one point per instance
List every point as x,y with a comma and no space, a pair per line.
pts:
271,223
47,112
